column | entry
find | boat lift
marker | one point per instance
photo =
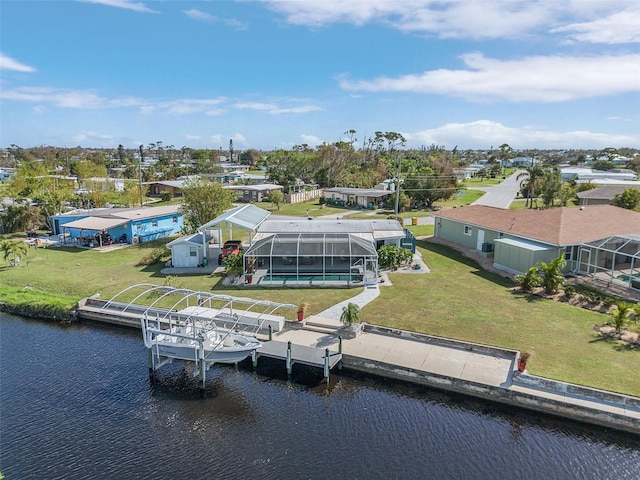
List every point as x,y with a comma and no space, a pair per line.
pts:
205,328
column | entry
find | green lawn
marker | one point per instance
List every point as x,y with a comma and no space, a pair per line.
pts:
466,197
300,209
456,300
76,273
459,300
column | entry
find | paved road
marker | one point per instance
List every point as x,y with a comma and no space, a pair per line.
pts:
501,195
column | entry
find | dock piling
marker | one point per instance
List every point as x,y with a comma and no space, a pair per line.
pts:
326,365
289,366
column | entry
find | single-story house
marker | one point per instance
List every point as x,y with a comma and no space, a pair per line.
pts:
159,187
254,193
101,226
588,174
519,239
308,252
231,167
204,246
363,197
602,195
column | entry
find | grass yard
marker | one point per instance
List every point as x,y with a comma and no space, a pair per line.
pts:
75,273
465,197
300,209
459,300
421,230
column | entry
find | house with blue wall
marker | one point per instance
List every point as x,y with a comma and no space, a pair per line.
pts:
104,226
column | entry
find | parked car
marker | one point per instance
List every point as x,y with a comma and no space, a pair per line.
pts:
230,247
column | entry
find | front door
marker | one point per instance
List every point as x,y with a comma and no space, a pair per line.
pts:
192,260
480,240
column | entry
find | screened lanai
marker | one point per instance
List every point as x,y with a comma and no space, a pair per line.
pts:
614,259
312,259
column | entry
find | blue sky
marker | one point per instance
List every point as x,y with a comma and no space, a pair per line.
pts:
277,73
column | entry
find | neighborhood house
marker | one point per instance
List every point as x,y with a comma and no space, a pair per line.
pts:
600,240
98,227
292,252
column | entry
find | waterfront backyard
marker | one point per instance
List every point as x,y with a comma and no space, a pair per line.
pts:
456,299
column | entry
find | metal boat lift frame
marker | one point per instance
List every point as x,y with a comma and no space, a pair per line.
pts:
156,319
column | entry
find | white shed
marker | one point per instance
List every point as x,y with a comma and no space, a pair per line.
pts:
188,251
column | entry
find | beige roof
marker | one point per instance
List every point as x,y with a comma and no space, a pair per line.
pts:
128,213
556,226
95,223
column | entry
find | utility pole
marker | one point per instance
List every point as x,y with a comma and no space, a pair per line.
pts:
141,148
398,186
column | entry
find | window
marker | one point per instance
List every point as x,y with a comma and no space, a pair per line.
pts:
468,230
138,226
154,223
193,252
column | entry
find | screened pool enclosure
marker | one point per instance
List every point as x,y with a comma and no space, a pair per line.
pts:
312,259
614,259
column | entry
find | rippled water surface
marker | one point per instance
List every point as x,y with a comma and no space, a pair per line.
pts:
77,403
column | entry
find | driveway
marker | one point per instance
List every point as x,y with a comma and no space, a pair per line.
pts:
501,195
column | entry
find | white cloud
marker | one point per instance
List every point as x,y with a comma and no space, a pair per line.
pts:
93,138
618,27
8,63
86,99
537,79
58,97
200,15
181,107
602,21
215,139
311,140
275,109
239,138
450,18
126,4
482,134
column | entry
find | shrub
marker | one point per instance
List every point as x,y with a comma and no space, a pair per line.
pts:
393,256
234,263
529,280
166,196
155,255
569,291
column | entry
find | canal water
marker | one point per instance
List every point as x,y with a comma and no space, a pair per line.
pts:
76,403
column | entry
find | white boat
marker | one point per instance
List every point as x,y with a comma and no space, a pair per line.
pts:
196,342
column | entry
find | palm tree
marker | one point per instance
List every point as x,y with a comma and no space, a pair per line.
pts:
620,314
12,249
552,277
350,314
529,180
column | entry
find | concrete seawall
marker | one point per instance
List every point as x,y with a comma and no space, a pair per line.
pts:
406,356
498,394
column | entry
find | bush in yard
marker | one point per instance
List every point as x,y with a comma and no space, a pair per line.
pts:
234,263
529,280
393,256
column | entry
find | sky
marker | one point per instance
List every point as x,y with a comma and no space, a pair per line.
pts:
270,74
